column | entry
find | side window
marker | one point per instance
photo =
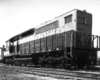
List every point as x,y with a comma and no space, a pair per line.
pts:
68,19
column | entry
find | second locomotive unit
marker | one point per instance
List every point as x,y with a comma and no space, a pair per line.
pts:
66,41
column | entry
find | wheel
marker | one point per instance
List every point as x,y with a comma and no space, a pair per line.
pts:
35,59
81,62
66,64
80,66
19,64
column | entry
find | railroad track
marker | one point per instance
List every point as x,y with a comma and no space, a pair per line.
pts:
64,74
58,73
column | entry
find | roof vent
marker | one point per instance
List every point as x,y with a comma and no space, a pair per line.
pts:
84,11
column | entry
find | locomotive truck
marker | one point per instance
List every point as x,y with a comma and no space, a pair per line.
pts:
66,41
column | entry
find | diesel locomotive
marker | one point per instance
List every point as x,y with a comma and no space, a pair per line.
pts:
66,41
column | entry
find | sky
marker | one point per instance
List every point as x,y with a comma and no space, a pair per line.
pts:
17,16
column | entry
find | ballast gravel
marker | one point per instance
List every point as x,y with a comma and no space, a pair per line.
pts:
7,73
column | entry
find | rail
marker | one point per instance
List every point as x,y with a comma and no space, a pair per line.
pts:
57,73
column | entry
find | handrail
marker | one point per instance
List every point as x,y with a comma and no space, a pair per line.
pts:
82,40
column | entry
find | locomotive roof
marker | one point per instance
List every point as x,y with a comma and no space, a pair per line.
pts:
21,35
31,31
55,19
15,38
27,33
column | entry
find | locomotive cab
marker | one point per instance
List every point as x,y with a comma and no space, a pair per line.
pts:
83,46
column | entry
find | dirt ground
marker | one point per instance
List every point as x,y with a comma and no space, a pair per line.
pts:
23,77
12,74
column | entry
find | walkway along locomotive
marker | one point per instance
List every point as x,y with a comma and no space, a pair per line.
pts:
65,41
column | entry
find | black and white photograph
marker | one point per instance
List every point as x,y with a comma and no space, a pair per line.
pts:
49,40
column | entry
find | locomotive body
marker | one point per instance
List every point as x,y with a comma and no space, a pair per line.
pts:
65,41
